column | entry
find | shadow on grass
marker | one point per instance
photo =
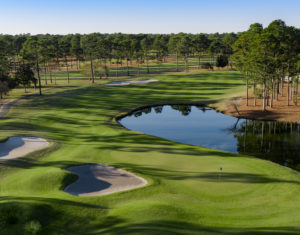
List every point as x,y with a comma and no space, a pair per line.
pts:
61,202
115,225
234,177
16,214
60,114
85,97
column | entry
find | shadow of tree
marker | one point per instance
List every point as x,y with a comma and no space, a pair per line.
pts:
95,106
114,225
52,215
235,177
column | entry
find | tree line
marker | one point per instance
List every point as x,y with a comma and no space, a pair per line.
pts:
270,60
24,57
268,57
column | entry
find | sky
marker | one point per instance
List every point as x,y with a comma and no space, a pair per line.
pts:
142,16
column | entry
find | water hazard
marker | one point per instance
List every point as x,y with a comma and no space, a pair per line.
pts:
197,125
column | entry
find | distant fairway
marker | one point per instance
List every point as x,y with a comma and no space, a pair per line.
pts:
186,193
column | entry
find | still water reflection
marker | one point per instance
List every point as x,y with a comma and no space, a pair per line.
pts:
197,125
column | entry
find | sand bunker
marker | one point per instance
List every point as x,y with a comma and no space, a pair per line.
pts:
99,179
126,83
19,146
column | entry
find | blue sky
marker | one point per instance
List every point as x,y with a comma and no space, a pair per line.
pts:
142,16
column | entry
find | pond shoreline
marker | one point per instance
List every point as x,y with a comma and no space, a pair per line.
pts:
202,125
123,114
228,110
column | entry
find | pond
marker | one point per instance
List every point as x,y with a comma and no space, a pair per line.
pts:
198,125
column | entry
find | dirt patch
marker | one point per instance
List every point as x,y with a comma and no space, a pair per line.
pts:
279,112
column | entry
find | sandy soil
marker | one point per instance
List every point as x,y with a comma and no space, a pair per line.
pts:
280,111
126,83
98,179
19,146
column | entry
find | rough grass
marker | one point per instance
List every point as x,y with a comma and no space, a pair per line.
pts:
185,195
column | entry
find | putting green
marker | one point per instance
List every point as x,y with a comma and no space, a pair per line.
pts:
186,193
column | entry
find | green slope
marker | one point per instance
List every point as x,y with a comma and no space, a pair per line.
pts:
185,195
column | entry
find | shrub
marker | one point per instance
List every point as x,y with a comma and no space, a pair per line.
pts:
19,218
10,215
32,227
222,61
207,65
4,89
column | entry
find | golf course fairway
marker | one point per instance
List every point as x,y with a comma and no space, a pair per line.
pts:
186,192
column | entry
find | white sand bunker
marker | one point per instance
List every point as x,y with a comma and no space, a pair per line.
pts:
19,146
126,83
99,179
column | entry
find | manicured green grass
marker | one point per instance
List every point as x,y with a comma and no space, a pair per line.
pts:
121,70
185,195
154,67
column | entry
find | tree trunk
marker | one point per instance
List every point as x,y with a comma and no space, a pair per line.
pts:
50,73
106,70
66,61
186,64
264,97
282,86
176,61
292,91
267,97
288,92
147,65
247,90
39,77
277,91
127,67
45,73
92,68
296,98
272,95
254,93
57,62
78,64
50,76
117,68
